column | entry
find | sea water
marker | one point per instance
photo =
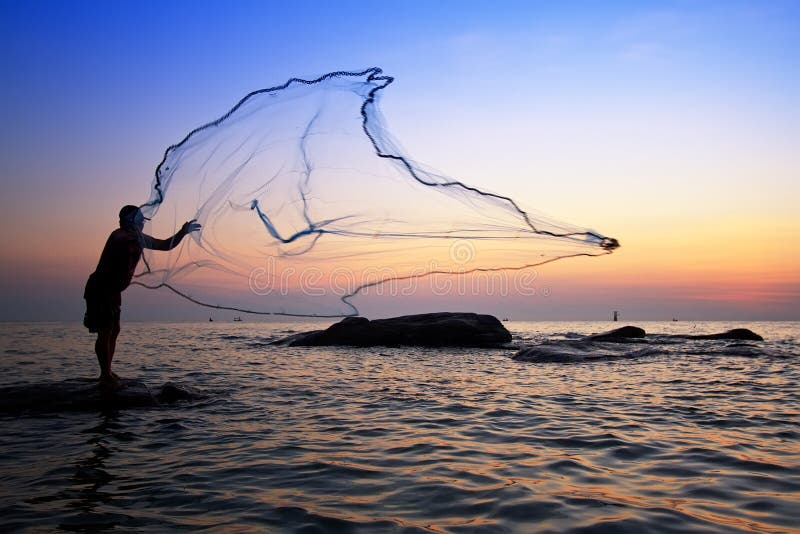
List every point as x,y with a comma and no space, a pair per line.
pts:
696,436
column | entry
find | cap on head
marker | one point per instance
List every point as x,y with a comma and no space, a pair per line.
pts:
128,216
128,212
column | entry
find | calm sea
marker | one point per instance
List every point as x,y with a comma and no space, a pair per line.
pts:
694,436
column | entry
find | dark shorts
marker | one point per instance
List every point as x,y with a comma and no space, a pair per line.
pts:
102,307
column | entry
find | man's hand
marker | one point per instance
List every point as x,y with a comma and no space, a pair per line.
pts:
190,226
171,242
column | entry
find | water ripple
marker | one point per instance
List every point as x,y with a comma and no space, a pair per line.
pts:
700,437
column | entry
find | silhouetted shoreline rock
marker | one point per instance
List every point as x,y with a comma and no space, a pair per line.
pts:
443,329
572,350
598,346
742,334
81,394
624,333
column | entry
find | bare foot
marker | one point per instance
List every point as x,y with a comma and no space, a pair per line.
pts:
110,381
105,378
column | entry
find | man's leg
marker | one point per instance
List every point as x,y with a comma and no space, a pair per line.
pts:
102,348
112,345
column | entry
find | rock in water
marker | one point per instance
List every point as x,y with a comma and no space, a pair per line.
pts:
742,334
443,329
578,350
596,347
172,392
79,394
75,394
619,334
634,332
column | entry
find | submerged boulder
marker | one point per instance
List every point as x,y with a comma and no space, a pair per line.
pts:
619,334
579,350
443,329
80,394
75,394
172,392
625,342
629,333
742,334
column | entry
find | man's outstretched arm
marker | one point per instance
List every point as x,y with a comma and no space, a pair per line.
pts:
171,242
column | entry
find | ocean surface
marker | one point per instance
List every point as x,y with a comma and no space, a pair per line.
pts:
683,436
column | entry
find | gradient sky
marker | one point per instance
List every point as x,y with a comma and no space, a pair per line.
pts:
673,126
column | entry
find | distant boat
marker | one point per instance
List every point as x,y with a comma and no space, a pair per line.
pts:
674,320
505,319
237,319
616,316
210,320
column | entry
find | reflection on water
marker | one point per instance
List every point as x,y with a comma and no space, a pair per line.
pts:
76,491
700,438
89,479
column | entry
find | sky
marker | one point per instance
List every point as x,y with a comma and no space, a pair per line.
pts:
672,126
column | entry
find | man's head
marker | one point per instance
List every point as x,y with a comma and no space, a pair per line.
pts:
131,217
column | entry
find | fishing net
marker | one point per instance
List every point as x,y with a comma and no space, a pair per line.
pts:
307,203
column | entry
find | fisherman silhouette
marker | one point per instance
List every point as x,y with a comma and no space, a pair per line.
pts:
113,274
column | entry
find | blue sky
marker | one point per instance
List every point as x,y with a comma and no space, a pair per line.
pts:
631,117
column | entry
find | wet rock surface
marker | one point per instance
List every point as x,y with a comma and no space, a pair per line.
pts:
622,334
624,342
81,394
741,334
444,329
